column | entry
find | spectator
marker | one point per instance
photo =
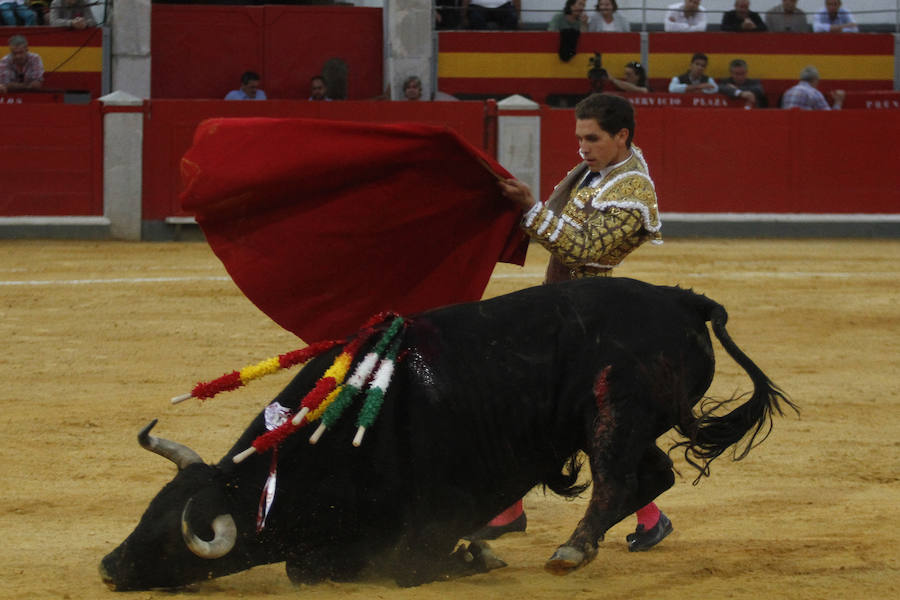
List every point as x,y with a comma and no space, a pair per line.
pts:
74,14
633,80
412,88
607,17
742,19
10,9
20,69
806,96
249,89
572,17
695,79
787,17
738,85
318,91
834,19
477,14
685,16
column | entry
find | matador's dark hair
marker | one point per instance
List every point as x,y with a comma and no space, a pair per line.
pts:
612,113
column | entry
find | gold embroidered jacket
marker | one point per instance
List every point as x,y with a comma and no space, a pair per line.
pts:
589,231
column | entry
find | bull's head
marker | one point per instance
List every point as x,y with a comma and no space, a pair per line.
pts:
187,533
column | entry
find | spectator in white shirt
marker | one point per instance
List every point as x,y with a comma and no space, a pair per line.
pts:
834,19
685,16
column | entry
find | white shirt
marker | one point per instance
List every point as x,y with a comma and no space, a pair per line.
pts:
697,22
490,3
676,87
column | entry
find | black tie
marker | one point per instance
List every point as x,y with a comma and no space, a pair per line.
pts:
587,180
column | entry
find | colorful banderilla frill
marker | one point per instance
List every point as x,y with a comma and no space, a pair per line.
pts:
383,352
377,390
329,398
236,379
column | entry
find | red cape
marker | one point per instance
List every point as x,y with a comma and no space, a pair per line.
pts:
323,224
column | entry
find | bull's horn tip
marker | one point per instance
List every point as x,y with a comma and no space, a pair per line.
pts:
180,398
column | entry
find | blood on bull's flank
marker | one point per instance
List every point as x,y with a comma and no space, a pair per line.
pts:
516,387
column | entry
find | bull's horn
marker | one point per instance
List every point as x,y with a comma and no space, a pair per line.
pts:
179,454
225,535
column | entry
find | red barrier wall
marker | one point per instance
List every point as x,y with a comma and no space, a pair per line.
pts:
201,51
723,160
169,129
51,160
702,160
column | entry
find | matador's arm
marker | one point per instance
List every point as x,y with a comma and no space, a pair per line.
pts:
603,239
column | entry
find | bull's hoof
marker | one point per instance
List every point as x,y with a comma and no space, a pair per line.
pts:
479,557
568,558
483,557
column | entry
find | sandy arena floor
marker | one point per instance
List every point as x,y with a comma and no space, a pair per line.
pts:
98,337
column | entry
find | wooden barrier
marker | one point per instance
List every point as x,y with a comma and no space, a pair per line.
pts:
704,160
879,100
753,161
51,160
658,100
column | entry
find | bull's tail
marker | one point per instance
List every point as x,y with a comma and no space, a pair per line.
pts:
746,425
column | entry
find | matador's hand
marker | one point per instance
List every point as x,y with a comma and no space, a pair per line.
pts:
518,192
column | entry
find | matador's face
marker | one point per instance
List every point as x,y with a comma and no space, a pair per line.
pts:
597,147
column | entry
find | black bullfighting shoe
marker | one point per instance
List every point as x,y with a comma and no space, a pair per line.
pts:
492,532
642,540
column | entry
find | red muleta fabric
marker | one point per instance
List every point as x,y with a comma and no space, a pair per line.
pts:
322,223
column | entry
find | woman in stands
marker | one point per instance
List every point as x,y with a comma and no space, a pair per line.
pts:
607,17
572,17
634,80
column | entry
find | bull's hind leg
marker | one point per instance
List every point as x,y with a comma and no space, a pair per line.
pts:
620,435
654,477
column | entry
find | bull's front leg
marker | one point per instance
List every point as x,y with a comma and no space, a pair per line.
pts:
423,561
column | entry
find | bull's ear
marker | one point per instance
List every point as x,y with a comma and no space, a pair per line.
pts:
179,454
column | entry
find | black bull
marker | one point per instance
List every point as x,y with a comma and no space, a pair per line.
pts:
488,400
